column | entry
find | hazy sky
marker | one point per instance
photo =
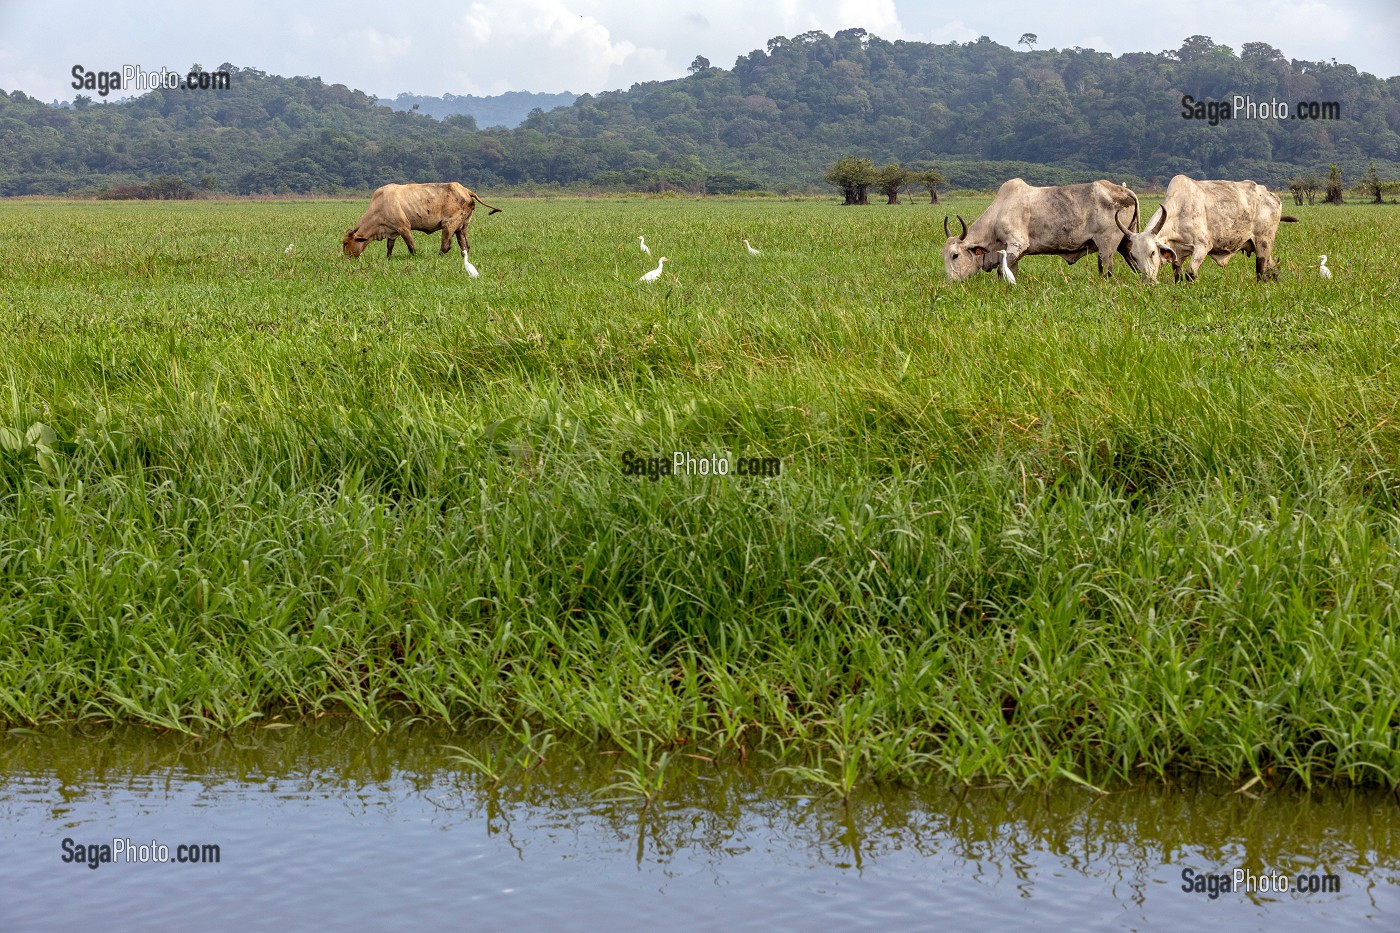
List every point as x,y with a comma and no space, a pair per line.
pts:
595,45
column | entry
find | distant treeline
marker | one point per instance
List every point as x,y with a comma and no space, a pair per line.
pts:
509,109
777,120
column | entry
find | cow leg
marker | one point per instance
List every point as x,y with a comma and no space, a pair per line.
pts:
446,241
390,252
462,239
1193,264
407,234
1014,252
1265,269
1106,250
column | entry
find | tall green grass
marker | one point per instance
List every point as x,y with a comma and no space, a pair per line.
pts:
1076,529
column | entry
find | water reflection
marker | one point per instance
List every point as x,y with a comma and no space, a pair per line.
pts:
390,830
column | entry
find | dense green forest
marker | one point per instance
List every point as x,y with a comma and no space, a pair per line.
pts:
509,109
978,111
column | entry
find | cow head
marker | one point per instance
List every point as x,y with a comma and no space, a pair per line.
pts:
963,260
353,244
1145,252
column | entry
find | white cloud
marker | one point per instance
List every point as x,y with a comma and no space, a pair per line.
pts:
877,16
303,28
377,47
955,31
545,45
794,17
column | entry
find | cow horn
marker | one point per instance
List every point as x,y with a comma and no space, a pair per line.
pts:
946,231
963,235
1118,219
1161,219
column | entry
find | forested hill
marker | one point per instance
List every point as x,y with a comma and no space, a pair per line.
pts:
979,111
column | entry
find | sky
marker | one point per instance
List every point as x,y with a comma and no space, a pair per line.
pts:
597,45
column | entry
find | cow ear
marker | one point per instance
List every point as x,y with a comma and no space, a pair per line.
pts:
979,250
1168,255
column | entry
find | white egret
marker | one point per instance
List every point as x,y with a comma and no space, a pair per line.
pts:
654,274
1006,272
1322,269
752,251
643,240
467,264
288,250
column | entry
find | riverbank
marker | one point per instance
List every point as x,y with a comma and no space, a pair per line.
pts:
1073,529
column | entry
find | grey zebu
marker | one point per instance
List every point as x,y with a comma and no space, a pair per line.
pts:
1208,218
1063,220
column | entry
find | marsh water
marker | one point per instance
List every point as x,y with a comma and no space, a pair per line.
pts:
326,826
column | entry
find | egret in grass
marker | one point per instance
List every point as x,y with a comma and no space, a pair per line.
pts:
752,251
654,274
643,240
288,250
1322,269
1006,272
467,264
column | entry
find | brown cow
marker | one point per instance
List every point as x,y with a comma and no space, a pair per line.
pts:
394,210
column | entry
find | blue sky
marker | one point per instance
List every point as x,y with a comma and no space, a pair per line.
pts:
595,45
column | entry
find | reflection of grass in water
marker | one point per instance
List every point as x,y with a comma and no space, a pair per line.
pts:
838,775
1079,528
496,764
1145,828
642,777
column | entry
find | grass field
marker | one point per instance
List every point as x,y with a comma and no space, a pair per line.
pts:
1072,529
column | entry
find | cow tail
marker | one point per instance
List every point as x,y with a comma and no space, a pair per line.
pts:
1288,219
477,199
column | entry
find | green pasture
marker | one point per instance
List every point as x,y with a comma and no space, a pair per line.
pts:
1075,528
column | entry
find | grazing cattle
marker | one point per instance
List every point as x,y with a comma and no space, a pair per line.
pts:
1065,220
1208,218
395,210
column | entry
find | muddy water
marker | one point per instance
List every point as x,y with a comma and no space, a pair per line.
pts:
327,827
